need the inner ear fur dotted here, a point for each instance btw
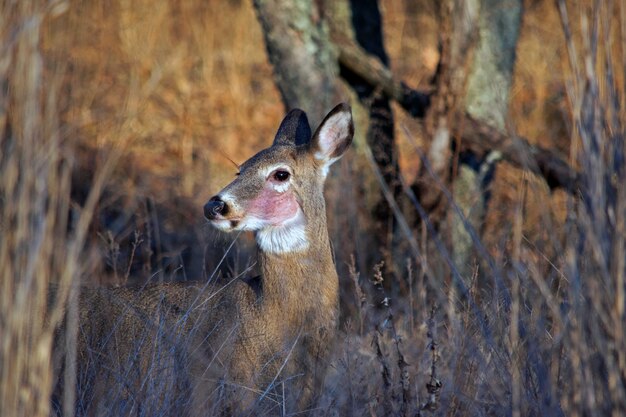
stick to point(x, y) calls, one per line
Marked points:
point(334, 134)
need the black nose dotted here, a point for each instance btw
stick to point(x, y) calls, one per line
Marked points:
point(214, 207)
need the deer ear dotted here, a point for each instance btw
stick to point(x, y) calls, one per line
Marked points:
point(333, 136)
point(294, 129)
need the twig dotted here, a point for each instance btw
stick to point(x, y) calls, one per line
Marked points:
point(386, 373)
point(136, 242)
point(405, 382)
point(434, 384)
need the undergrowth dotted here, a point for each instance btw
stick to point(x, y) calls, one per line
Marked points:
point(538, 329)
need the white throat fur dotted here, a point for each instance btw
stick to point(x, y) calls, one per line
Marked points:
point(287, 238)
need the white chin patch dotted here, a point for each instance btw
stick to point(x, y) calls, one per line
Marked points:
point(223, 225)
point(251, 223)
point(286, 238)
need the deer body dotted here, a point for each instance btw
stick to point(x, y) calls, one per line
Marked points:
point(279, 195)
point(252, 334)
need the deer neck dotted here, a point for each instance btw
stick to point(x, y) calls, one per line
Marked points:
point(304, 282)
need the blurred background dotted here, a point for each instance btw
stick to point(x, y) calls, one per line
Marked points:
point(487, 177)
point(187, 88)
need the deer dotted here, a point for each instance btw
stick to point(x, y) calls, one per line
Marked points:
point(241, 344)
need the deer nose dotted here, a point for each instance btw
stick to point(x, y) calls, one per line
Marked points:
point(214, 207)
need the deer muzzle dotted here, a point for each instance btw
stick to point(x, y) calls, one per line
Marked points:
point(215, 208)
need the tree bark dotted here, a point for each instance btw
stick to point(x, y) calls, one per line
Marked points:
point(299, 49)
point(356, 27)
point(486, 100)
point(367, 24)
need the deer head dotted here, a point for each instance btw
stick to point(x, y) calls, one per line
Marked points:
point(278, 193)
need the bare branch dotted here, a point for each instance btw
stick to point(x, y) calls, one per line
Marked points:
point(476, 136)
point(375, 73)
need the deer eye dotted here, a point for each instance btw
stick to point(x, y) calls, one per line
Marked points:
point(281, 175)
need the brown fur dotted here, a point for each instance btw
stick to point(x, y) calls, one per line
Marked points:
point(220, 347)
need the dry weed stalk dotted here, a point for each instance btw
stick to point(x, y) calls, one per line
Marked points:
point(360, 294)
point(38, 246)
point(434, 385)
point(388, 322)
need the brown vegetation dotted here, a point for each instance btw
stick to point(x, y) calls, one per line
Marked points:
point(155, 97)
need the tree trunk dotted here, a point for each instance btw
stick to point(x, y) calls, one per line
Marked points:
point(306, 72)
point(299, 48)
point(356, 27)
point(486, 100)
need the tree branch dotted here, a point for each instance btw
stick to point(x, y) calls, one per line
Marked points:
point(376, 74)
point(481, 138)
point(476, 136)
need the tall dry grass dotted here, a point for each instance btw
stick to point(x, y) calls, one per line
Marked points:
point(34, 206)
point(538, 329)
point(42, 233)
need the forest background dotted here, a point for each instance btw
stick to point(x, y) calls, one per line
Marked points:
point(478, 223)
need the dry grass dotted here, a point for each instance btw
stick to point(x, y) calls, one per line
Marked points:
point(166, 87)
point(43, 237)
